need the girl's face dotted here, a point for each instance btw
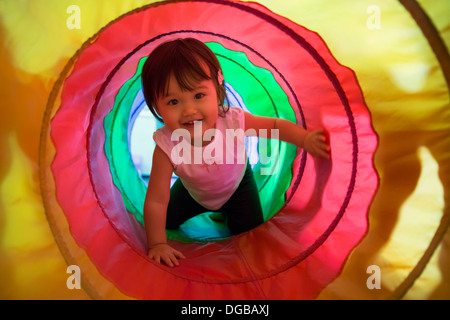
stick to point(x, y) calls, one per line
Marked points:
point(182, 109)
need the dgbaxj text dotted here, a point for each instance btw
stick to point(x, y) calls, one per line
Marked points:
point(239, 309)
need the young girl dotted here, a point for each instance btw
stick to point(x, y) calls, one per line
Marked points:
point(183, 87)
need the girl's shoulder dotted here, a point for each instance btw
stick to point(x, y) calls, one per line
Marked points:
point(163, 131)
point(234, 112)
point(162, 137)
point(234, 118)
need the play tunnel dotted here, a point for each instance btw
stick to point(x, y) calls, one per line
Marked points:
point(310, 205)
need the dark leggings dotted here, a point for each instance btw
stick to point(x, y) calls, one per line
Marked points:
point(243, 210)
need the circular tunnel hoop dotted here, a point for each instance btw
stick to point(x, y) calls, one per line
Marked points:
point(302, 42)
point(256, 280)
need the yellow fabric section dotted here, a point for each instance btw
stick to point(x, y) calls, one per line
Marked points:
point(403, 85)
point(31, 265)
point(37, 40)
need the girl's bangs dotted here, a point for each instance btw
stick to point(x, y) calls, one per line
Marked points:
point(189, 72)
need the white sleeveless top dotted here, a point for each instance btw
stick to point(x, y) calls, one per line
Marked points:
point(211, 174)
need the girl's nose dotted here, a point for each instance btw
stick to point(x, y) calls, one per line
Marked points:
point(189, 109)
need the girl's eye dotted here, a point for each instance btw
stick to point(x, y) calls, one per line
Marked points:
point(172, 102)
point(199, 95)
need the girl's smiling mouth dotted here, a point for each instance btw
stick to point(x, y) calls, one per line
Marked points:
point(192, 122)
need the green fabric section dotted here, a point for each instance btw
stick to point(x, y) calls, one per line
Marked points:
point(261, 95)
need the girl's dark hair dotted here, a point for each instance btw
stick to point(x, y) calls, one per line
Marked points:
point(186, 59)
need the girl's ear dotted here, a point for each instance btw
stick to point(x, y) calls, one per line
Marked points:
point(220, 77)
point(221, 94)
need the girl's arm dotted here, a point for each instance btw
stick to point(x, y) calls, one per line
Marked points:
point(314, 142)
point(155, 210)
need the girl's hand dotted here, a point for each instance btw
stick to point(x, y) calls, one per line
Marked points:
point(316, 144)
point(164, 252)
